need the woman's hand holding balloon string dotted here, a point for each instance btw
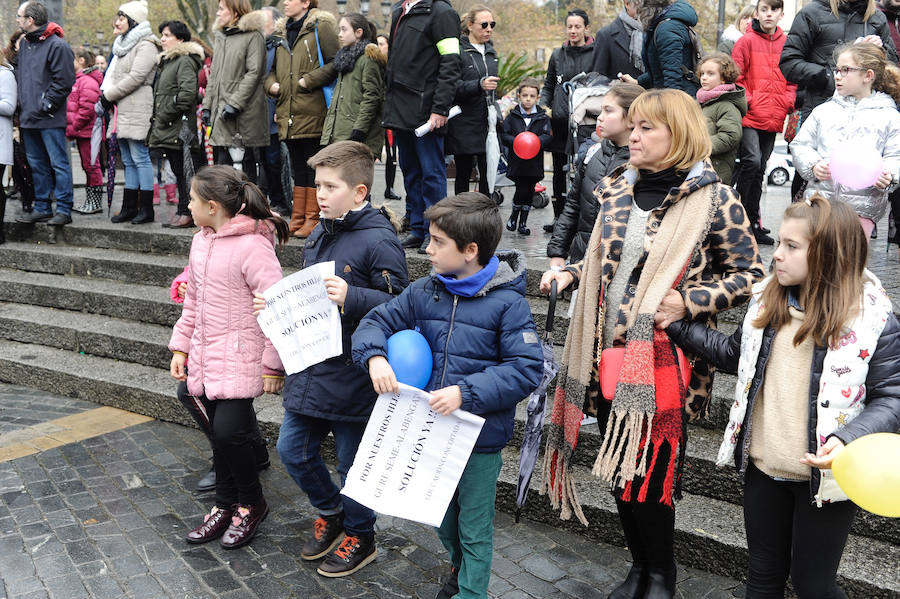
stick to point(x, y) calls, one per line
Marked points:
point(825, 455)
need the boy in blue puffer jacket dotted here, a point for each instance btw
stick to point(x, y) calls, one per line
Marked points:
point(487, 358)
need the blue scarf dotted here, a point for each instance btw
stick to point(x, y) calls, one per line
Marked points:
point(471, 285)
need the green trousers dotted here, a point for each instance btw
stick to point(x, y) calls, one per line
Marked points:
point(467, 531)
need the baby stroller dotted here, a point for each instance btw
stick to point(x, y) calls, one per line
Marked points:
point(586, 92)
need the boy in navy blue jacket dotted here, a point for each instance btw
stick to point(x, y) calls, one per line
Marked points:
point(335, 396)
point(487, 358)
point(525, 172)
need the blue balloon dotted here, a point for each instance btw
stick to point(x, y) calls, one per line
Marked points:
point(409, 355)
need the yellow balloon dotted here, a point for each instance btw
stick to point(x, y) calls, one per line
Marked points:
point(867, 471)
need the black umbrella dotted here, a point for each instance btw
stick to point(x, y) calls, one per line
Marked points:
point(534, 421)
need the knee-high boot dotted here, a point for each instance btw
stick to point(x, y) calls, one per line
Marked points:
point(656, 526)
point(312, 214)
point(298, 212)
point(636, 581)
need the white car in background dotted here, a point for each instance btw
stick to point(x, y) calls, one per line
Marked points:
point(780, 168)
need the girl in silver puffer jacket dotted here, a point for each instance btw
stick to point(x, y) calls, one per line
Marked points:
point(862, 110)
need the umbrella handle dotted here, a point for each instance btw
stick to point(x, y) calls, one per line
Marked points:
point(551, 309)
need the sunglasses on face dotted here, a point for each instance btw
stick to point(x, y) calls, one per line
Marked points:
point(487, 24)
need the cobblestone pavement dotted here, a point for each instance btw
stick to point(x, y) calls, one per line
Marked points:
point(105, 517)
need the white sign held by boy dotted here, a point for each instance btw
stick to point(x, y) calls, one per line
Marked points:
point(302, 323)
point(410, 459)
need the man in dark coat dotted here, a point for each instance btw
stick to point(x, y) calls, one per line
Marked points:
point(422, 71)
point(618, 46)
point(47, 73)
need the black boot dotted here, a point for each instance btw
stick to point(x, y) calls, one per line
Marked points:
point(523, 221)
point(636, 581)
point(549, 228)
point(129, 206)
point(513, 221)
point(145, 203)
point(661, 583)
point(761, 238)
point(656, 526)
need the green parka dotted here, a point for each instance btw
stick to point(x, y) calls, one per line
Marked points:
point(235, 78)
point(175, 94)
point(723, 121)
point(358, 102)
point(300, 112)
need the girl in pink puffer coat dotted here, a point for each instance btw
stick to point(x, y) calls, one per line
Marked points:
point(80, 117)
point(231, 361)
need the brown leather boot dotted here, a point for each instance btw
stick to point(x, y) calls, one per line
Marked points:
point(312, 214)
point(298, 213)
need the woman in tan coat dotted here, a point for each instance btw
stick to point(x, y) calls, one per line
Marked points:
point(128, 85)
point(296, 80)
point(235, 105)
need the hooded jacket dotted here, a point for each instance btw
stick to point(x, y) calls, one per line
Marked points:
point(869, 360)
point(423, 64)
point(467, 132)
point(487, 344)
point(236, 77)
point(668, 50)
point(565, 62)
point(574, 225)
point(46, 73)
point(8, 93)
point(769, 95)
point(367, 254)
point(358, 102)
point(300, 112)
point(80, 114)
point(513, 124)
point(723, 121)
point(175, 94)
point(129, 83)
point(808, 54)
point(227, 351)
point(874, 120)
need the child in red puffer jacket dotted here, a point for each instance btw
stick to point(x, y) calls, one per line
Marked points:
point(80, 118)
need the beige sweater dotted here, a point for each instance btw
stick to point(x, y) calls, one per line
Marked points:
point(780, 420)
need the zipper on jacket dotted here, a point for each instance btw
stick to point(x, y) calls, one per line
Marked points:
point(387, 279)
point(447, 343)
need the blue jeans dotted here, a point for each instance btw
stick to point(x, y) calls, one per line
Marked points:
point(299, 447)
point(46, 151)
point(138, 168)
point(424, 175)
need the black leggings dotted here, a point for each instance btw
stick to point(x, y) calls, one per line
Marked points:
point(788, 534)
point(232, 427)
point(464, 165)
point(524, 195)
point(176, 161)
point(302, 150)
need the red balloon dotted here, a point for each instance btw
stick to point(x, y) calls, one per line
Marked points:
point(526, 145)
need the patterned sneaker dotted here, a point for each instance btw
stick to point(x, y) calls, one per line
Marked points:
point(327, 531)
point(352, 554)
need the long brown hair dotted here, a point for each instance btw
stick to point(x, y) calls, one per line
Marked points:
point(836, 257)
point(870, 8)
point(236, 194)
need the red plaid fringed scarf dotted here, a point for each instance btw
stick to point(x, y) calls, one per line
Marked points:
point(648, 402)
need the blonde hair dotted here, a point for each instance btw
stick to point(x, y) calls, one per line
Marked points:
point(681, 115)
point(469, 17)
point(745, 13)
point(870, 8)
point(836, 258)
point(870, 57)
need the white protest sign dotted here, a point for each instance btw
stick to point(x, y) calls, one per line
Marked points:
point(410, 459)
point(303, 324)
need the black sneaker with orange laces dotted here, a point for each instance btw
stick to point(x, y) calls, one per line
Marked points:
point(351, 555)
point(327, 532)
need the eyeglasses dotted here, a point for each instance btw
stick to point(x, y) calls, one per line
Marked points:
point(487, 24)
point(844, 71)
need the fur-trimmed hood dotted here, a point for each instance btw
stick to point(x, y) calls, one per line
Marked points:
point(313, 15)
point(375, 53)
point(252, 21)
point(182, 49)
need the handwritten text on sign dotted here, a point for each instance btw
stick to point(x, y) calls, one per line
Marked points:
point(303, 324)
point(410, 459)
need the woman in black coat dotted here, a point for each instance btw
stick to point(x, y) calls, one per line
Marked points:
point(475, 90)
point(575, 56)
point(618, 46)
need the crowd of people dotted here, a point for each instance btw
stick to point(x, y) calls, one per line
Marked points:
point(658, 225)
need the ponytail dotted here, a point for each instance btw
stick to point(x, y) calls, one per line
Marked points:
point(237, 195)
point(890, 83)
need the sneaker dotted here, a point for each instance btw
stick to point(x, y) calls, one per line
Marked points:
point(60, 219)
point(351, 555)
point(762, 238)
point(327, 531)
